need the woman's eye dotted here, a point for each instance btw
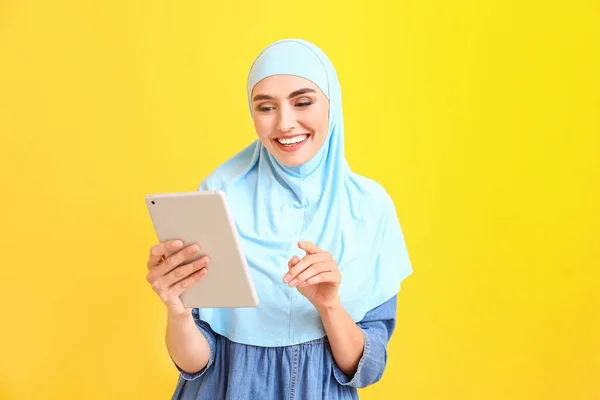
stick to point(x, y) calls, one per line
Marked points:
point(305, 103)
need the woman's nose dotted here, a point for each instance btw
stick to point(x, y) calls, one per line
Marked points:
point(285, 121)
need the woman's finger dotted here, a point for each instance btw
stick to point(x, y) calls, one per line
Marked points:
point(174, 260)
point(183, 271)
point(182, 285)
point(157, 272)
point(159, 250)
point(293, 261)
point(309, 247)
point(323, 277)
point(304, 263)
point(313, 270)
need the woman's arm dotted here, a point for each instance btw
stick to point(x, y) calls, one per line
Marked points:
point(187, 346)
point(376, 329)
point(359, 349)
point(318, 278)
point(169, 276)
point(345, 337)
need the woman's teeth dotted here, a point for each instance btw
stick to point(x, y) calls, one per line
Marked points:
point(293, 140)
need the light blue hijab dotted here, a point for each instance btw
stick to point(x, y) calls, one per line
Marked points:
point(321, 201)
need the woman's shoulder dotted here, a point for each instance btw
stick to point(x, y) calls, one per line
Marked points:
point(231, 170)
point(368, 190)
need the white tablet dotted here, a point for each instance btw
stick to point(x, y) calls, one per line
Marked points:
point(203, 217)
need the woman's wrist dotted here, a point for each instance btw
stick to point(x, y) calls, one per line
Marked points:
point(178, 315)
point(331, 306)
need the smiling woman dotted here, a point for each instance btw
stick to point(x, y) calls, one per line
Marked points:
point(314, 335)
point(290, 116)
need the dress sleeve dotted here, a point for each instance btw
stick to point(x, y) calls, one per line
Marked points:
point(210, 336)
point(377, 327)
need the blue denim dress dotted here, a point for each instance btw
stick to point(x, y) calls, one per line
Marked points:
point(306, 371)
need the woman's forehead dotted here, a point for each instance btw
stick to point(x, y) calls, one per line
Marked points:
point(283, 85)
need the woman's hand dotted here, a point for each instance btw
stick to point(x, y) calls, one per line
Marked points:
point(171, 276)
point(316, 276)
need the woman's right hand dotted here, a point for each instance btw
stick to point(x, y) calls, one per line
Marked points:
point(171, 276)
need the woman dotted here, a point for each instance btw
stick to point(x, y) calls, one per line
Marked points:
point(305, 221)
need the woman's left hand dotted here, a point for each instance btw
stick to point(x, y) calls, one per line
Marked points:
point(316, 276)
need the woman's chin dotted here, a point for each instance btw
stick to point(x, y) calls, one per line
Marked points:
point(291, 160)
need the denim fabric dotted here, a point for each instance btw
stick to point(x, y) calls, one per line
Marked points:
point(300, 372)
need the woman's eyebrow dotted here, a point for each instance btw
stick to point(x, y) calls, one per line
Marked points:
point(299, 92)
point(291, 95)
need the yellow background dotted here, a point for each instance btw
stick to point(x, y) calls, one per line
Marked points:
point(481, 118)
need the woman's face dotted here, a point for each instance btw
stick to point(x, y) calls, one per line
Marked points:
point(291, 117)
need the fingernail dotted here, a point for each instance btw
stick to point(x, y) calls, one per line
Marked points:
point(293, 282)
point(287, 278)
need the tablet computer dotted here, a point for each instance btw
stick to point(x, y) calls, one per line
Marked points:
point(203, 217)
